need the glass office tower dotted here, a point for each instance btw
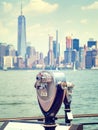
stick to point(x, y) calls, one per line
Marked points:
point(22, 35)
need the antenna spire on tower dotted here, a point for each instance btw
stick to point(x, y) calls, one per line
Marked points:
point(21, 7)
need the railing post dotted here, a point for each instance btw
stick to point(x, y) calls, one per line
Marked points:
point(67, 103)
point(67, 110)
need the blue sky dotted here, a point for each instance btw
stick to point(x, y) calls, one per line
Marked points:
point(78, 18)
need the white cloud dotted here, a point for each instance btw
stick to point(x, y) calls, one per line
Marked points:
point(3, 30)
point(93, 6)
point(42, 31)
point(84, 21)
point(40, 6)
point(7, 35)
point(37, 34)
point(68, 21)
point(7, 6)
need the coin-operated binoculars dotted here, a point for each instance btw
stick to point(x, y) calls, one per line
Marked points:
point(51, 92)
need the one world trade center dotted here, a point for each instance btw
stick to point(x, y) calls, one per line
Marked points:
point(22, 35)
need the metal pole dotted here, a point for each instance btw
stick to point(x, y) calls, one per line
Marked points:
point(50, 127)
point(50, 123)
point(67, 103)
point(67, 109)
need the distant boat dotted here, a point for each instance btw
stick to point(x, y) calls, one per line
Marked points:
point(74, 67)
point(94, 68)
point(5, 68)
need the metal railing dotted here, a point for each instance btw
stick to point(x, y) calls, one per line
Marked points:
point(41, 118)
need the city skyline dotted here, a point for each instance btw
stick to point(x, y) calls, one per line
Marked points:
point(76, 18)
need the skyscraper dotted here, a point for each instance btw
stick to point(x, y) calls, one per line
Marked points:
point(50, 53)
point(54, 49)
point(57, 46)
point(21, 35)
point(68, 43)
point(75, 44)
point(91, 43)
point(68, 51)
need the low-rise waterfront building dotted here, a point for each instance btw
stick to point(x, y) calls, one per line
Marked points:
point(8, 61)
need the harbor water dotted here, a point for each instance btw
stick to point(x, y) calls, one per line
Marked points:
point(18, 95)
